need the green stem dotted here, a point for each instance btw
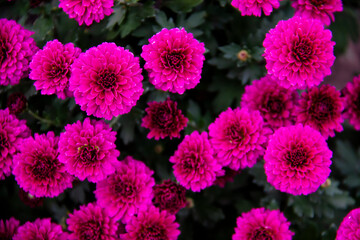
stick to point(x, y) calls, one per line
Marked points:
point(114, 120)
point(41, 119)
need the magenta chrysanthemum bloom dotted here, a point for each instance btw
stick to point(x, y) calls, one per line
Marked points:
point(87, 11)
point(261, 223)
point(51, 68)
point(350, 226)
point(228, 177)
point(152, 224)
point(12, 132)
point(29, 199)
point(174, 60)
point(195, 167)
point(299, 52)
point(88, 150)
point(275, 103)
point(321, 108)
point(106, 81)
point(255, 7)
point(126, 191)
point(16, 103)
point(16, 50)
point(297, 160)
point(169, 196)
point(164, 119)
point(40, 229)
point(351, 94)
point(37, 169)
point(91, 222)
point(322, 10)
point(8, 228)
point(238, 137)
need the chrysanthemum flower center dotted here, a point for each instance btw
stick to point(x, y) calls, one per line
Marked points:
point(163, 118)
point(235, 133)
point(3, 51)
point(59, 70)
point(45, 166)
point(192, 161)
point(318, 3)
point(321, 108)
point(152, 232)
point(90, 230)
point(274, 105)
point(125, 189)
point(261, 234)
point(302, 50)
point(3, 140)
point(88, 153)
point(107, 79)
point(173, 59)
point(296, 157)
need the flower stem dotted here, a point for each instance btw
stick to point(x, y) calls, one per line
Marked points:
point(114, 120)
point(41, 119)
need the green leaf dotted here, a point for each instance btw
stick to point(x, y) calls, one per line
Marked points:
point(195, 20)
point(117, 17)
point(163, 21)
point(230, 51)
point(182, 5)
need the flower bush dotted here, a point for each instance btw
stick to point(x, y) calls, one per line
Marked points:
point(178, 119)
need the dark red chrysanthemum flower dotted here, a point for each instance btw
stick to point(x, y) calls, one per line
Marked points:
point(351, 94)
point(8, 228)
point(275, 103)
point(228, 177)
point(37, 169)
point(12, 132)
point(16, 103)
point(152, 224)
point(349, 228)
point(262, 224)
point(169, 196)
point(322, 10)
point(299, 52)
point(16, 51)
point(40, 229)
point(297, 160)
point(321, 108)
point(164, 119)
point(91, 222)
point(29, 199)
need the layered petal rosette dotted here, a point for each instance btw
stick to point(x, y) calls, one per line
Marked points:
point(37, 169)
point(297, 160)
point(275, 103)
point(349, 227)
point(174, 60)
point(16, 103)
point(255, 7)
point(261, 223)
point(351, 93)
point(238, 137)
point(16, 51)
point(8, 228)
point(91, 222)
point(152, 224)
point(169, 196)
point(88, 150)
point(299, 52)
point(321, 108)
point(195, 167)
point(87, 11)
point(127, 191)
point(50, 68)
point(12, 132)
point(164, 119)
point(106, 80)
point(40, 229)
point(322, 10)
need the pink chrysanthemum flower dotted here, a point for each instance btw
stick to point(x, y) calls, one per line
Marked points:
point(349, 227)
point(299, 52)
point(351, 94)
point(8, 228)
point(91, 222)
point(228, 177)
point(195, 167)
point(261, 223)
point(152, 224)
point(51, 68)
point(16, 103)
point(12, 132)
point(106, 81)
point(29, 199)
point(255, 7)
point(321, 108)
point(126, 191)
point(88, 150)
point(40, 229)
point(238, 137)
point(16, 50)
point(297, 160)
point(169, 196)
point(275, 103)
point(37, 169)
point(164, 119)
point(87, 11)
point(174, 60)
point(322, 10)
